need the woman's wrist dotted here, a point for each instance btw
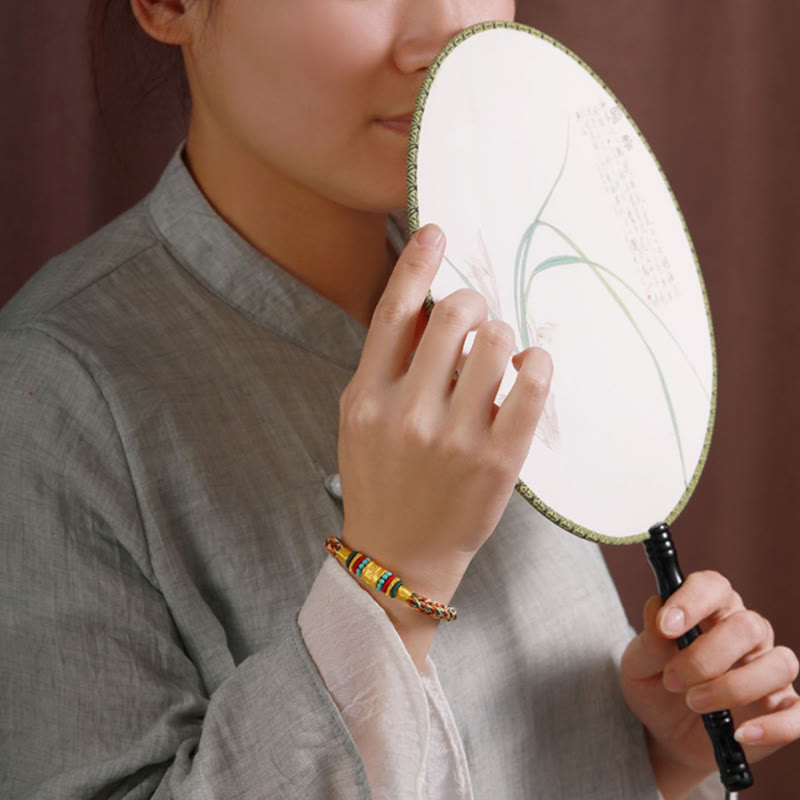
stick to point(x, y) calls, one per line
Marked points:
point(424, 571)
point(420, 574)
point(674, 780)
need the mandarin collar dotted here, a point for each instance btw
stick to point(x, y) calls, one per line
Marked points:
point(205, 245)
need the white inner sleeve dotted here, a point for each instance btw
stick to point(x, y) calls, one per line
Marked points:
point(398, 717)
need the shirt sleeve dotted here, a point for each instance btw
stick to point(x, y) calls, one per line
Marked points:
point(100, 696)
point(399, 717)
point(710, 789)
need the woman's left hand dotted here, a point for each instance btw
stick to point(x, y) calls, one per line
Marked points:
point(734, 664)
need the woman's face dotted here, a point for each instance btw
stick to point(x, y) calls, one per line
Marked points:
point(299, 85)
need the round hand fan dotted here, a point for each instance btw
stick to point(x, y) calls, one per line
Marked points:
point(556, 211)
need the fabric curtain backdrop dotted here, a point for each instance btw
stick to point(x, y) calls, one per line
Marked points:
point(713, 87)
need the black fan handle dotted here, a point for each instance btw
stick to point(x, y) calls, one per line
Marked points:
point(734, 771)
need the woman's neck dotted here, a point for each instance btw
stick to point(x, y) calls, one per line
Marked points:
point(340, 252)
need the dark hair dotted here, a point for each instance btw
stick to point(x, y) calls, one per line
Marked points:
point(122, 52)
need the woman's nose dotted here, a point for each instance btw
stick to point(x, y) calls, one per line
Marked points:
point(432, 23)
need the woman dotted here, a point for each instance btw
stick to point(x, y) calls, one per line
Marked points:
point(178, 388)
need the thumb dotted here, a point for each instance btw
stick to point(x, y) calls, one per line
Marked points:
point(647, 654)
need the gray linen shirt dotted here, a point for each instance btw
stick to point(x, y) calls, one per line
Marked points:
point(169, 407)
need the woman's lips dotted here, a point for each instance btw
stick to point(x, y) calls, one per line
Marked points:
point(400, 125)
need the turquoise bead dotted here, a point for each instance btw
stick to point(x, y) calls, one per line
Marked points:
point(362, 565)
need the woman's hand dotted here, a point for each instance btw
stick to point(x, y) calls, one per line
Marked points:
point(735, 662)
point(427, 463)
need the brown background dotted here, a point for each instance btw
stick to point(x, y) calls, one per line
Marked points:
point(713, 87)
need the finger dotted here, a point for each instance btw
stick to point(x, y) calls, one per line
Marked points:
point(482, 374)
point(647, 654)
point(702, 595)
point(719, 649)
point(775, 730)
point(771, 672)
point(442, 343)
point(778, 701)
point(516, 421)
point(516, 361)
point(390, 337)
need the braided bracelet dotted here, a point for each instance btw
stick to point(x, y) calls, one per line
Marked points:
point(384, 581)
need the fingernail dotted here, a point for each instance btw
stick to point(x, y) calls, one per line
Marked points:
point(749, 734)
point(699, 699)
point(430, 236)
point(673, 621)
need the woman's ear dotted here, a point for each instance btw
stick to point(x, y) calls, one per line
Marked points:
point(167, 21)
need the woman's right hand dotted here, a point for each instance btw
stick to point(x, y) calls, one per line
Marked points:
point(427, 464)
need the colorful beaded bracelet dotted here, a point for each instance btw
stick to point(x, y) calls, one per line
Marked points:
point(384, 581)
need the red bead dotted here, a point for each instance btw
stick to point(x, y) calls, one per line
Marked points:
point(386, 584)
point(354, 565)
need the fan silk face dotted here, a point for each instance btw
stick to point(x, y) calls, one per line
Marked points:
point(556, 210)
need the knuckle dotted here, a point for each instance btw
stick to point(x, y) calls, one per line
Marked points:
point(534, 383)
point(362, 414)
point(722, 582)
point(456, 446)
point(709, 584)
point(497, 468)
point(461, 308)
point(791, 732)
point(415, 429)
point(470, 298)
point(391, 311)
point(791, 663)
point(451, 313)
point(498, 334)
point(736, 601)
point(545, 361)
point(710, 576)
point(477, 301)
point(698, 665)
point(777, 701)
point(495, 463)
point(417, 261)
point(768, 630)
point(751, 623)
